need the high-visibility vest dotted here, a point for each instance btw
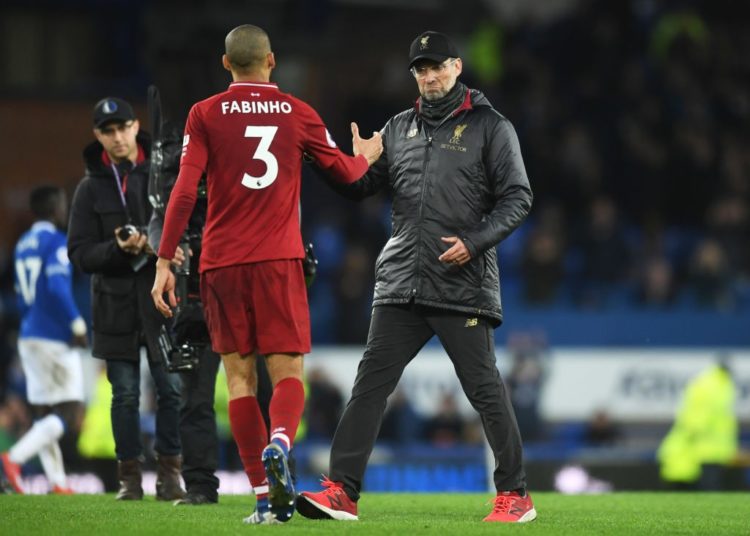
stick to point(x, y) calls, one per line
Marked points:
point(96, 439)
point(705, 430)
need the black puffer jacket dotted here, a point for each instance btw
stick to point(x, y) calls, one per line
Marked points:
point(123, 313)
point(464, 178)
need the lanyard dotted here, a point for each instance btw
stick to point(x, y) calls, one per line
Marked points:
point(119, 190)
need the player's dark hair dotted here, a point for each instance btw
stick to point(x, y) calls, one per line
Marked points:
point(246, 47)
point(44, 200)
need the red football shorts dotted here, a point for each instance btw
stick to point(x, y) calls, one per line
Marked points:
point(259, 307)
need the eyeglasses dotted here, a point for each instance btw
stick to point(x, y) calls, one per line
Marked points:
point(119, 127)
point(437, 69)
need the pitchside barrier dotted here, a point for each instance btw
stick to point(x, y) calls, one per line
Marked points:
point(633, 384)
point(639, 388)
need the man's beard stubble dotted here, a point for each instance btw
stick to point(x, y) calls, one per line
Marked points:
point(435, 94)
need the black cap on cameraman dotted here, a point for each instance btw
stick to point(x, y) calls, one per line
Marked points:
point(112, 110)
point(433, 46)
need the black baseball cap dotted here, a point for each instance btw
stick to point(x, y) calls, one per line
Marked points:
point(112, 110)
point(433, 46)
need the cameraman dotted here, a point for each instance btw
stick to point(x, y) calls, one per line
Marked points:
point(107, 239)
point(198, 365)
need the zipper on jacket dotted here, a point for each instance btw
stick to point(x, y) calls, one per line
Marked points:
point(427, 152)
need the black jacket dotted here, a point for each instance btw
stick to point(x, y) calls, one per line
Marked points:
point(123, 313)
point(463, 178)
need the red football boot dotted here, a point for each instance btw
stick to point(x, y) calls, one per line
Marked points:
point(59, 490)
point(510, 507)
point(12, 472)
point(331, 503)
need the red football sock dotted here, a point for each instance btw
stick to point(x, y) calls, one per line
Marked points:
point(287, 405)
point(251, 435)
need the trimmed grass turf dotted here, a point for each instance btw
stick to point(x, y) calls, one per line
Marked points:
point(380, 513)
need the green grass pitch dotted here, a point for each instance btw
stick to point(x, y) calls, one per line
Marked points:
point(380, 513)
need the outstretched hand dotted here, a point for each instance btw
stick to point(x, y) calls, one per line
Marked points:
point(370, 148)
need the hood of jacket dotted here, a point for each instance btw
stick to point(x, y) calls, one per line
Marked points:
point(473, 98)
point(92, 154)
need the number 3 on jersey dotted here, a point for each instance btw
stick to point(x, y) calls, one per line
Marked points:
point(262, 153)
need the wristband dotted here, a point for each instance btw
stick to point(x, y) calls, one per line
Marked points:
point(78, 327)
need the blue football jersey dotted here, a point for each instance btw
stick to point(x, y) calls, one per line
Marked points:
point(44, 284)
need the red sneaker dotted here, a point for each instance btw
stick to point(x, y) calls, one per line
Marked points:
point(11, 472)
point(331, 503)
point(59, 490)
point(510, 507)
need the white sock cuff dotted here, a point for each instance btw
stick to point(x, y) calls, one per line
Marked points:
point(260, 490)
point(284, 438)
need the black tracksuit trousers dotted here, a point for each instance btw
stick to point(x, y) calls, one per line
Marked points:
point(200, 442)
point(397, 333)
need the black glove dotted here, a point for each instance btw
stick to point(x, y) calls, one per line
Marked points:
point(309, 265)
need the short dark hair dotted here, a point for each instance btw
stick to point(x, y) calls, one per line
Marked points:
point(44, 200)
point(246, 47)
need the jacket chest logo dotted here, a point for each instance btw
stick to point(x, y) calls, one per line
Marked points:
point(454, 144)
point(457, 133)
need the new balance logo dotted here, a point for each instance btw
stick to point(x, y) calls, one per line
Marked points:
point(336, 501)
point(471, 322)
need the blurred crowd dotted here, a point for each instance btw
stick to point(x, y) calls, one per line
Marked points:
point(631, 118)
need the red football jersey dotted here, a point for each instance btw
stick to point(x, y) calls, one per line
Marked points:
point(249, 140)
